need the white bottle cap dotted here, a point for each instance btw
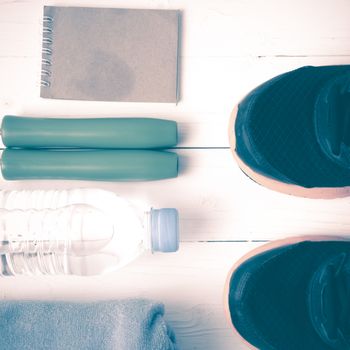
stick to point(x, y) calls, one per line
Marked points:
point(164, 230)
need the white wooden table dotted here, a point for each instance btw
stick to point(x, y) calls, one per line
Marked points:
point(227, 48)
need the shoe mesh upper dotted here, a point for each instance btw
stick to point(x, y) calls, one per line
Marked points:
point(268, 296)
point(276, 134)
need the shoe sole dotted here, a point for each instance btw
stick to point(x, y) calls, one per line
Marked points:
point(295, 190)
point(263, 248)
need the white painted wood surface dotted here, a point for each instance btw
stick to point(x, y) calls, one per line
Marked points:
point(190, 284)
point(227, 48)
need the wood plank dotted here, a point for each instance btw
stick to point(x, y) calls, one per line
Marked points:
point(228, 48)
point(273, 27)
point(211, 87)
point(190, 283)
point(216, 201)
point(230, 28)
point(215, 73)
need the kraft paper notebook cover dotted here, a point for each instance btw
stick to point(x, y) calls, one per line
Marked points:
point(109, 54)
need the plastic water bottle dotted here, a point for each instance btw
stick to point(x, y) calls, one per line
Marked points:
point(78, 232)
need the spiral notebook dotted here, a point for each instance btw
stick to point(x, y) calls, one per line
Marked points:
point(109, 54)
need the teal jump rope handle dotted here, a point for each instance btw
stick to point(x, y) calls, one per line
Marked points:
point(29, 132)
point(99, 165)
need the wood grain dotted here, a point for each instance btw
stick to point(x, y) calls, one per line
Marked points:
point(227, 48)
point(217, 202)
point(190, 283)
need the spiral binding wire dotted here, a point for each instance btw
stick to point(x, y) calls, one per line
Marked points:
point(46, 51)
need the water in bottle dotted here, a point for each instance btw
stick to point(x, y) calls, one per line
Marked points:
point(78, 232)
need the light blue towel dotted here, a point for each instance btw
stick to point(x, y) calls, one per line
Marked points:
point(109, 325)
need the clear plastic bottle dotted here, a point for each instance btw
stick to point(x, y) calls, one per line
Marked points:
point(78, 232)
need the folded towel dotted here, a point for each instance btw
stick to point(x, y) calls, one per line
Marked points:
point(107, 325)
